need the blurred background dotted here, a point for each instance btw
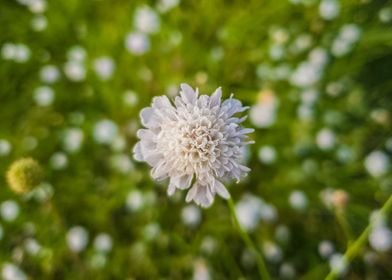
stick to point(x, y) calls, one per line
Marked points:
point(74, 76)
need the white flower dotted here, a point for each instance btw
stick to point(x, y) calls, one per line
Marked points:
point(377, 163)
point(77, 238)
point(9, 210)
point(5, 147)
point(32, 246)
point(135, 200)
point(103, 243)
point(59, 161)
point(104, 67)
point(43, 96)
point(191, 215)
point(72, 139)
point(338, 264)
point(49, 74)
point(326, 248)
point(137, 43)
point(298, 200)
point(105, 131)
point(325, 139)
point(248, 211)
point(39, 23)
point(146, 20)
point(199, 138)
point(380, 238)
point(329, 9)
point(75, 71)
point(267, 154)
point(10, 271)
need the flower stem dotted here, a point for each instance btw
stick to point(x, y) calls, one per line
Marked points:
point(356, 246)
point(249, 243)
point(342, 221)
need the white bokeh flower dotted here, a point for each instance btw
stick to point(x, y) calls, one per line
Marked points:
point(104, 67)
point(338, 264)
point(103, 242)
point(5, 147)
point(377, 163)
point(77, 238)
point(191, 215)
point(146, 20)
point(44, 96)
point(298, 200)
point(9, 210)
point(198, 138)
point(380, 238)
point(137, 43)
point(10, 271)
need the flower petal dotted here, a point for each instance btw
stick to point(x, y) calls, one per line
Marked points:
point(159, 172)
point(188, 94)
point(137, 152)
point(201, 195)
point(171, 190)
point(148, 117)
point(191, 193)
point(221, 190)
point(215, 98)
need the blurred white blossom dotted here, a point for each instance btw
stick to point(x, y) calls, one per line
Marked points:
point(287, 271)
point(49, 74)
point(200, 270)
point(75, 70)
point(191, 215)
point(5, 147)
point(72, 139)
point(137, 43)
point(298, 200)
point(146, 20)
point(380, 238)
point(59, 161)
point(263, 113)
point(77, 238)
point(348, 35)
point(19, 53)
point(44, 96)
point(10, 271)
point(326, 249)
point(267, 154)
point(325, 139)
point(248, 210)
point(39, 23)
point(329, 9)
point(130, 98)
point(103, 243)
point(9, 210)
point(338, 264)
point(105, 131)
point(104, 67)
point(135, 200)
point(377, 163)
point(166, 5)
point(32, 246)
point(272, 252)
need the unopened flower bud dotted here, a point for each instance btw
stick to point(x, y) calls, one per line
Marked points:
point(24, 174)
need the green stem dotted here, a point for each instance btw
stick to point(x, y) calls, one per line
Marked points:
point(342, 221)
point(249, 243)
point(356, 246)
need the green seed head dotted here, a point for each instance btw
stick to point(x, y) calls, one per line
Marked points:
point(24, 174)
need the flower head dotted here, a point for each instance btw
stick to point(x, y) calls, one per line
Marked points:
point(24, 174)
point(197, 142)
